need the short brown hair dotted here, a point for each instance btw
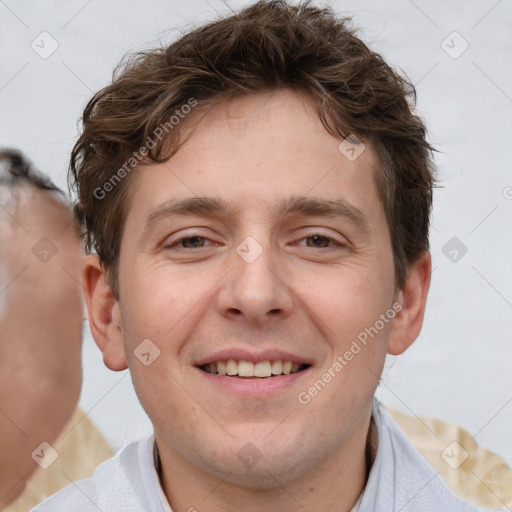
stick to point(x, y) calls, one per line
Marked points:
point(267, 46)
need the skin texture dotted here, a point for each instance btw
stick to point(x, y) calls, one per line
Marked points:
point(302, 295)
point(40, 330)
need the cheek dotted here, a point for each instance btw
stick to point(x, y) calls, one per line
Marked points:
point(345, 301)
point(159, 298)
point(165, 400)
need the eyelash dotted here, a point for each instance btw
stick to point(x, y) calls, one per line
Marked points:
point(329, 238)
point(306, 236)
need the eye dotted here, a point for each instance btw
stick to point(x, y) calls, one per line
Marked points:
point(320, 241)
point(189, 242)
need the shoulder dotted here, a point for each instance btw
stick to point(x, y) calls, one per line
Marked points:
point(117, 485)
point(80, 451)
point(406, 478)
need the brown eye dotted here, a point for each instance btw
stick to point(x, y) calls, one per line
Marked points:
point(192, 242)
point(189, 242)
point(318, 241)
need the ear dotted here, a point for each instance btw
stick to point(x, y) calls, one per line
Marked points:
point(104, 318)
point(412, 297)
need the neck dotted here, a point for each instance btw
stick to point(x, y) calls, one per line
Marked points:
point(333, 484)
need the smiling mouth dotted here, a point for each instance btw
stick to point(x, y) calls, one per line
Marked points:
point(249, 370)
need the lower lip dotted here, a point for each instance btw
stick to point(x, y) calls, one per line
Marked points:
point(255, 387)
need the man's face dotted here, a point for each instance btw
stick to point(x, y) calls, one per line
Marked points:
point(270, 278)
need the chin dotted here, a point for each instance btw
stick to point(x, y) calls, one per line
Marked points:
point(262, 465)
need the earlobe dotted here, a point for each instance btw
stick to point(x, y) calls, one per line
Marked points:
point(104, 318)
point(412, 298)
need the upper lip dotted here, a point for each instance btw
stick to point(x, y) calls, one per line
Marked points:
point(240, 354)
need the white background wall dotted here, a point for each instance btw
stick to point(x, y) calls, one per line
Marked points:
point(460, 369)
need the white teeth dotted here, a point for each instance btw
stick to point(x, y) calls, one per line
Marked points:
point(221, 368)
point(245, 369)
point(277, 368)
point(249, 369)
point(262, 369)
point(287, 367)
point(232, 367)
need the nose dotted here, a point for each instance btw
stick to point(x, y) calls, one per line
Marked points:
point(255, 291)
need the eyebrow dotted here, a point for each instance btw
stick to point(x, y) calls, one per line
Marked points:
point(319, 207)
point(212, 206)
point(216, 206)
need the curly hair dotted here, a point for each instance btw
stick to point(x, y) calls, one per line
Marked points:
point(267, 46)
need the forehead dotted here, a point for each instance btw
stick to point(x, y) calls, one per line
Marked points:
point(257, 150)
point(276, 116)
